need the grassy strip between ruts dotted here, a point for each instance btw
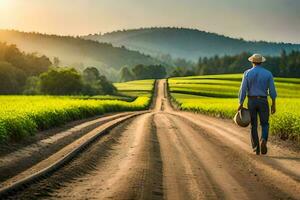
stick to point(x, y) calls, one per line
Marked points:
point(211, 95)
point(21, 116)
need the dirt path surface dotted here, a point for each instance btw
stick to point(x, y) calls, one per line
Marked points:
point(169, 154)
point(15, 158)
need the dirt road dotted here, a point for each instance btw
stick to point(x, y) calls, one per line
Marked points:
point(169, 154)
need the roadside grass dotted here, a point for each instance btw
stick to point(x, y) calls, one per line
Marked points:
point(216, 95)
point(22, 116)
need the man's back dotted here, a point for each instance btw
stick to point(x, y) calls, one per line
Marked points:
point(259, 81)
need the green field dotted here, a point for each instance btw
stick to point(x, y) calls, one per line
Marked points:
point(136, 88)
point(21, 116)
point(216, 95)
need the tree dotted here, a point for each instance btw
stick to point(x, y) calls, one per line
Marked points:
point(285, 65)
point(17, 66)
point(180, 71)
point(149, 72)
point(126, 75)
point(12, 79)
point(91, 80)
point(56, 61)
point(95, 84)
point(139, 72)
point(32, 86)
point(61, 81)
point(91, 74)
point(156, 71)
point(107, 86)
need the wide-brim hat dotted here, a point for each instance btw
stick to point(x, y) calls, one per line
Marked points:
point(242, 117)
point(257, 58)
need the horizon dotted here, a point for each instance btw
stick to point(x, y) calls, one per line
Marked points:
point(140, 28)
point(279, 19)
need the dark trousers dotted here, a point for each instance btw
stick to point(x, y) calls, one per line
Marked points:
point(259, 107)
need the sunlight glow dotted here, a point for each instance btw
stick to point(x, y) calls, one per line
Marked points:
point(4, 3)
point(80, 17)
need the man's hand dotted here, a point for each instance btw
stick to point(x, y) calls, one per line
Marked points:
point(240, 107)
point(273, 106)
point(273, 109)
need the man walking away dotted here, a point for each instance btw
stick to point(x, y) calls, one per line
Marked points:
point(257, 83)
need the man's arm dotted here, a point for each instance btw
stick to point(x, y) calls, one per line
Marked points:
point(243, 91)
point(273, 94)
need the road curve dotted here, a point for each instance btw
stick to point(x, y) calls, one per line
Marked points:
point(169, 154)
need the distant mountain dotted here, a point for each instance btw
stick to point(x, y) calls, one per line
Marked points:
point(187, 43)
point(77, 52)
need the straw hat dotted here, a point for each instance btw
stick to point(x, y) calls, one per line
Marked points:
point(242, 117)
point(257, 58)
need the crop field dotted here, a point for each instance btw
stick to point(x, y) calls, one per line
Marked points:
point(136, 88)
point(21, 116)
point(107, 97)
point(216, 95)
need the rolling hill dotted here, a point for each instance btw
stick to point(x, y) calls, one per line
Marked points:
point(187, 43)
point(77, 52)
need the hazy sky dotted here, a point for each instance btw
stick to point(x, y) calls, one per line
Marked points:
point(272, 20)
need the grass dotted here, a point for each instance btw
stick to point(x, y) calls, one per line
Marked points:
point(108, 97)
point(216, 95)
point(139, 85)
point(22, 116)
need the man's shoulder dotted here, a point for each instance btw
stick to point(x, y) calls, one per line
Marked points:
point(267, 72)
point(247, 71)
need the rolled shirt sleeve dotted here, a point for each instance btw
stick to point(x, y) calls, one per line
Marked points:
point(272, 90)
point(243, 89)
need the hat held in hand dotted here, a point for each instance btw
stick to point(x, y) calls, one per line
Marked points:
point(242, 117)
point(257, 58)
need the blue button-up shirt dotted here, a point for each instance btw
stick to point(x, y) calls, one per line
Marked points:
point(257, 81)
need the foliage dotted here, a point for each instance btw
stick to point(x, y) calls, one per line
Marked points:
point(140, 72)
point(31, 64)
point(16, 67)
point(217, 95)
point(12, 79)
point(76, 51)
point(182, 71)
point(61, 81)
point(126, 74)
point(107, 87)
point(32, 86)
point(91, 80)
point(95, 84)
point(285, 65)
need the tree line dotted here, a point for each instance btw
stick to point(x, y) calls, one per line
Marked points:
point(139, 72)
point(22, 73)
point(77, 51)
point(188, 43)
point(285, 65)
point(68, 81)
point(17, 66)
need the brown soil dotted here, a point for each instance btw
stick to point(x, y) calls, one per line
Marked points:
point(16, 157)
